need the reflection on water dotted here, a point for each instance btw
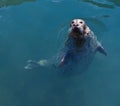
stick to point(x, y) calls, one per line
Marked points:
point(116, 2)
point(99, 4)
point(104, 5)
point(4, 3)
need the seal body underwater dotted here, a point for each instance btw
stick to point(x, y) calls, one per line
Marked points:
point(80, 48)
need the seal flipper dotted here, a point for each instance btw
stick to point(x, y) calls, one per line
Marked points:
point(34, 64)
point(62, 61)
point(31, 65)
point(101, 49)
point(65, 59)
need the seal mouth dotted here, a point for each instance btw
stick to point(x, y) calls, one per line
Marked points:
point(77, 32)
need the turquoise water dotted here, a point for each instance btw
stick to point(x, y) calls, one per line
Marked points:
point(35, 29)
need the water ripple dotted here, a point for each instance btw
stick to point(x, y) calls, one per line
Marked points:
point(6, 3)
point(56, 1)
point(99, 4)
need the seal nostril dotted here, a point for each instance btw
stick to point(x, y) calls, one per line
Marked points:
point(77, 25)
point(73, 24)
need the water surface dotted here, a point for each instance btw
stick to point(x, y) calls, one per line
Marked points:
point(35, 29)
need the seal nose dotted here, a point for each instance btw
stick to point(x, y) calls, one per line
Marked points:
point(75, 25)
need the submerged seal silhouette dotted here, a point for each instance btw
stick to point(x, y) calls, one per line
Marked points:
point(81, 46)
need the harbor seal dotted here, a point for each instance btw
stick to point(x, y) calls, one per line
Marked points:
point(80, 47)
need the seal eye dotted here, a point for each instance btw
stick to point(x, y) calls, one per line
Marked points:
point(81, 22)
point(72, 22)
